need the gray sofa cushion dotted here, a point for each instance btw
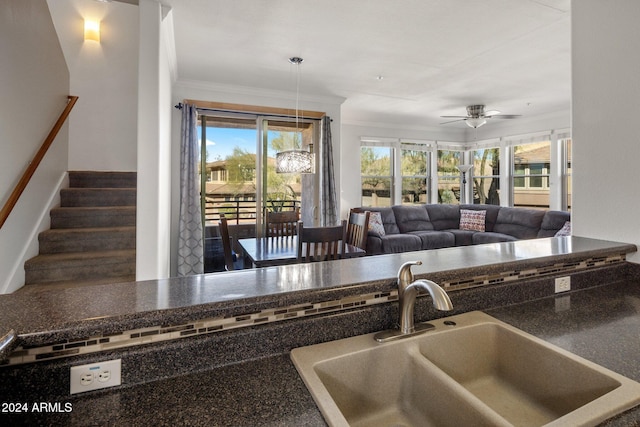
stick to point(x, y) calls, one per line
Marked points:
point(462, 237)
point(552, 222)
point(393, 243)
point(519, 222)
point(491, 237)
point(435, 239)
point(444, 217)
point(412, 218)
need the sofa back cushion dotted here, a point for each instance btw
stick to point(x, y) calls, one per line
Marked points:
point(519, 222)
point(444, 217)
point(412, 218)
point(388, 219)
point(490, 217)
point(552, 222)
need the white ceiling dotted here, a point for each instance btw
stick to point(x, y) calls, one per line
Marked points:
point(435, 56)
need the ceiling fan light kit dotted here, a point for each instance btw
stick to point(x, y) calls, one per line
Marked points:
point(476, 116)
point(475, 122)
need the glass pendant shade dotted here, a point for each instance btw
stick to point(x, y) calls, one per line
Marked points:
point(295, 161)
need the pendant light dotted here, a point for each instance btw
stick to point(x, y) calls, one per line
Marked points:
point(296, 160)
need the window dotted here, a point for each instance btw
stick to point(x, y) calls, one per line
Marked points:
point(414, 167)
point(486, 176)
point(448, 176)
point(531, 164)
point(376, 169)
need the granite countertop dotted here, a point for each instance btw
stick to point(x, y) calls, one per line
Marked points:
point(599, 324)
point(66, 313)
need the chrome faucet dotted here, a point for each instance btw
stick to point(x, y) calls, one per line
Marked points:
point(407, 293)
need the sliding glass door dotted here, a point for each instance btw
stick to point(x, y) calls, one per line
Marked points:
point(287, 191)
point(238, 158)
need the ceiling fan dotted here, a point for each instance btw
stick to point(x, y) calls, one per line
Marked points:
point(476, 116)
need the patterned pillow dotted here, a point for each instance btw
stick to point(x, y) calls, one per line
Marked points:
point(472, 220)
point(375, 224)
point(565, 230)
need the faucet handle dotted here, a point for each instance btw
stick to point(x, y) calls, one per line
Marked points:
point(405, 276)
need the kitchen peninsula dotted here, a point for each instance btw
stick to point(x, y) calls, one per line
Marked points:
point(213, 350)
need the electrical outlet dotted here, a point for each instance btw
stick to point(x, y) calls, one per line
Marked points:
point(563, 284)
point(96, 376)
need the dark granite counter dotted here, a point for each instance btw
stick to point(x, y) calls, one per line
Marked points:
point(600, 324)
point(243, 377)
point(55, 315)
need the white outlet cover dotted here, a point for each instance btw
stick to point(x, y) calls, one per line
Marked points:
point(96, 376)
point(563, 284)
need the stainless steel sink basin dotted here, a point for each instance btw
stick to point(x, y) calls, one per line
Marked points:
point(471, 369)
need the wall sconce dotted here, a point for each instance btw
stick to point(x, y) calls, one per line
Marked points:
point(92, 30)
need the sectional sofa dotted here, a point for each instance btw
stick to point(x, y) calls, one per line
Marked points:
point(404, 228)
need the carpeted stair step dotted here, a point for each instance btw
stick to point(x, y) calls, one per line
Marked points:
point(88, 197)
point(80, 266)
point(87, 239)
point(101, 216)
point(99, 179)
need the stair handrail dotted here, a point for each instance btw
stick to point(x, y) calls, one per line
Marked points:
point(33, 165)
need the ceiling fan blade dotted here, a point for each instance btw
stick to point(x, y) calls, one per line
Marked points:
point(455, 117)
point(504, 116)
point(491, 113)
point(452, 121)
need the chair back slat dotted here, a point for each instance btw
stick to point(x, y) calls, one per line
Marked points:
point(357, 229)
point(321, 243)
point(226, 243)
point(282, 223)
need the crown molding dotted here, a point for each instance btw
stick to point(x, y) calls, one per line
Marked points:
point(257, 92)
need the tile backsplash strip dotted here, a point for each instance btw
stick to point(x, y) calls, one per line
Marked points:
point(24, 354)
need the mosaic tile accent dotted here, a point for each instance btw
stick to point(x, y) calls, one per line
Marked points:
point(26, 354)
point(550, 270)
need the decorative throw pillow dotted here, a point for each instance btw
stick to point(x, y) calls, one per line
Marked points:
point(565, 230)
point(375, 223)
point(472, 220)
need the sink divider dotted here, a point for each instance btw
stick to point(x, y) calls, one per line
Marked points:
point(452, 387)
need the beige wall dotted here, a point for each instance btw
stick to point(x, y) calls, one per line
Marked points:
point(34, 82)
point(103, 129)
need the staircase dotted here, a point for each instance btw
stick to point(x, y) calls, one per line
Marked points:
point(92, 237)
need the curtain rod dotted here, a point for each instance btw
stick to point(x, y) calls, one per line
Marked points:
point(179, 106)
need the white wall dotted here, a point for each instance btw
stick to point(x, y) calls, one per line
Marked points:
point(606, 106)
point(154, 147)
point(103, 126)
point(35, 86)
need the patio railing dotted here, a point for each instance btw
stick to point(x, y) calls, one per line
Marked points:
point(240, 211)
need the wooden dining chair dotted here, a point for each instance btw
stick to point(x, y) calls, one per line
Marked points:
point(357, 229)
point(226, 243)
point(321, 243)
point(282, 223)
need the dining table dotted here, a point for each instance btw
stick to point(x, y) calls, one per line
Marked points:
point(280, 250)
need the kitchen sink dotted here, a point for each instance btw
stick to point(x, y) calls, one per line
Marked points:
point(470, 369)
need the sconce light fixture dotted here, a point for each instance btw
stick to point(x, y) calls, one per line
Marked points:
point(92, 30)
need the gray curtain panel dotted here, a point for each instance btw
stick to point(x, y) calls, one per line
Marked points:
point(190, 238)
point(328, 202)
